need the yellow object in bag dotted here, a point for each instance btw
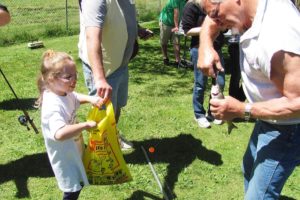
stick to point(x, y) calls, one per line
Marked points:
point(103, 159)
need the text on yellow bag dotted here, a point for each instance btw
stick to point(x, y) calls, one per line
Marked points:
point(103, 159)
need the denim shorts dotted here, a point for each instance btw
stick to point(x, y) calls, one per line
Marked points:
point(118, 80)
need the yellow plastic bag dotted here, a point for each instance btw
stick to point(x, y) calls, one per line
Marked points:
point(103, 159)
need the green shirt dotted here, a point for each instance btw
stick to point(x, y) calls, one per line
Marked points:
point(167, 13)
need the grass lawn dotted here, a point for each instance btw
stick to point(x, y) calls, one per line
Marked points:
point(193, 163)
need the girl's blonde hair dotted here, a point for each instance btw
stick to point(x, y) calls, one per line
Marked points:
point(52, 64)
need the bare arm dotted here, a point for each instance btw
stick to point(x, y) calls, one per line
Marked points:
point(194, 31)
point(176, 20)
point(285, 74)
point(208, 58)
point(94, 40)
point(72, 130)
point(94, 100)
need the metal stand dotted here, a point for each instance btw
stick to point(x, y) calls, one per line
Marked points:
point(184, 62)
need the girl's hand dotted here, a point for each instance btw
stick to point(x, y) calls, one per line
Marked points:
point(97, 101)
point(91, 124)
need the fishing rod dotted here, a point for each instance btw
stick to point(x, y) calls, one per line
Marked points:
point(155, 175)
point(23, 119)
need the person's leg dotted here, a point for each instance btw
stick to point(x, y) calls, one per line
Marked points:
point(250, 155)
point(198, 91)
point(119, 83)
point(176, 47)
point(165, 35)
point(71, 195)
point(164, 50)
point(276, 156)
point(122, 92)
point(88, 78)
point(199, 86)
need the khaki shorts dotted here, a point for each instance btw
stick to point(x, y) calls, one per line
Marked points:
point(166, 34)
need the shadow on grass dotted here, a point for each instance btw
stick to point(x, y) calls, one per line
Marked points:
point(13, 104)
point(179, 152)
point(19, 171)
point(286, 198)
point(149, 60)
point(140, 194)
point(145, 67)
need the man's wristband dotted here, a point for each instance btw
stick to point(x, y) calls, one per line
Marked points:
point(247, 114)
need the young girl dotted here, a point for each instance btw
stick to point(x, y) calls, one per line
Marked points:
point(59, 103)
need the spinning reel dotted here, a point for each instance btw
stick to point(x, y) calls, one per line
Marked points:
point(24, 121)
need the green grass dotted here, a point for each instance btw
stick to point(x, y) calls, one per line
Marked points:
point(195, 163)
point(35, 20)
point(38, 19)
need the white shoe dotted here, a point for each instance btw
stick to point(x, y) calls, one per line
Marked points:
point(203, 122)
point(218, 121)
point(124, 144)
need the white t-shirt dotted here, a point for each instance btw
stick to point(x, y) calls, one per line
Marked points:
point(58, 111)
point(276, 27)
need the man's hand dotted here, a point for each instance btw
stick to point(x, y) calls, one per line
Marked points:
point(209, 61)
point(175, 29)
point(227, 109)
point(104, 90)
point(208, 58)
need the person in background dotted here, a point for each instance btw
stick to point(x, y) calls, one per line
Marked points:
point(107, 41)
point(4, 15)
point(169, 20)
point(235, 86)
point(192, 19)
point(62, 135)
point(270, 60)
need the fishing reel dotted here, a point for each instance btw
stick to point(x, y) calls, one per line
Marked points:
point(24, 121)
